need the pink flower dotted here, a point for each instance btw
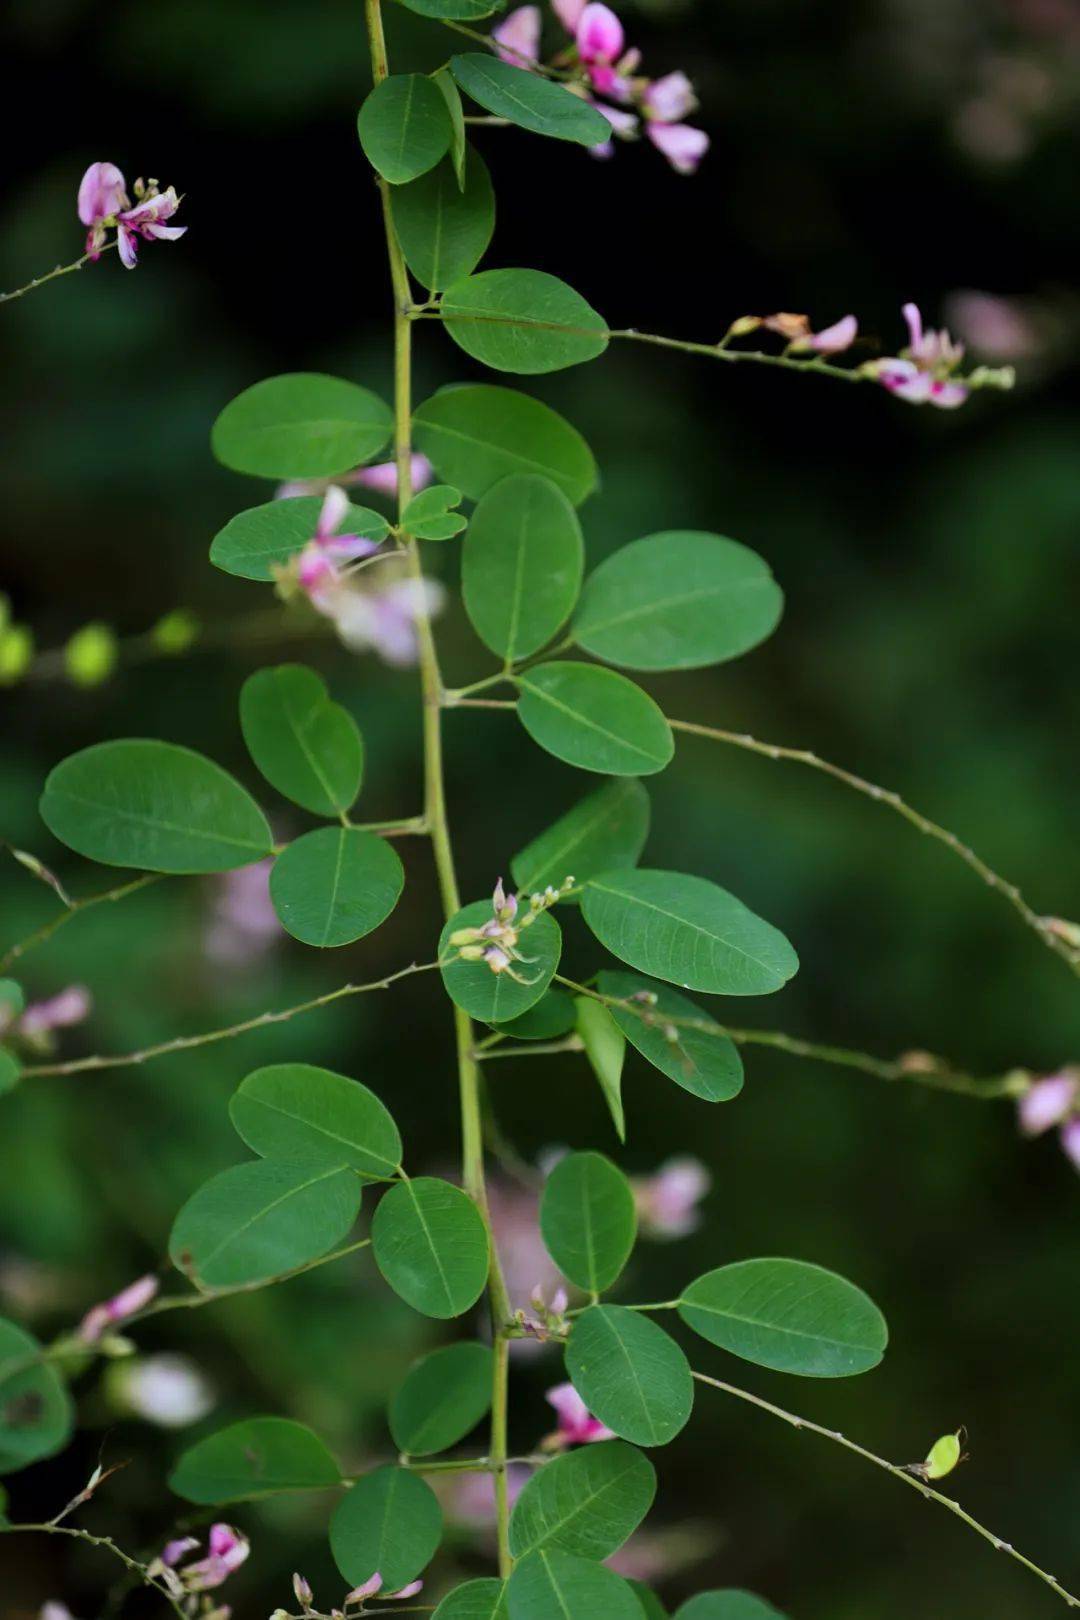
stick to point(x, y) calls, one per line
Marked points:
point(383, 619)
point(227, 1550)
point(929, 349)
point(146, 220)
point(1070, 1140)
point(667, 1202)
point(382, 478)
point(123, 1305)
point(568, 13)
point(577, 1426)
point(518, 36)
point(921, 374)
point(623, 124)
point(600, 39)
point(104, 204)
point(682, 145)
point(71, 1006)
point(373, 1588)
point(243, 924)
point(831, 339)
point(1048, 1102)
point(102, 195)
point(469, 1499)
point(669, 100)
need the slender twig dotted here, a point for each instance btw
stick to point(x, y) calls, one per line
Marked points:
point(898, 1472)
point(131, 1564)
point(1042, 926)
point(183, 1043)
point(920, 1068)
point(47, 930)
point(52, 275)
point(572, 1043)
point(519, 57)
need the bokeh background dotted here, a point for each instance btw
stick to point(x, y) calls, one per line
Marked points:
point(863, 153)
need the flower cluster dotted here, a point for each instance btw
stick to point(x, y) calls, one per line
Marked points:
point(354, 1599)
point(1054, 1101)
point(496, 942)
point(104, 205)
point(667, 1202)
point(226, 1550)
point(37, 1023)
point(607, 69)
point(545, 1320)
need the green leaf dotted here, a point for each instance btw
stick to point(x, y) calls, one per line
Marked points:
point(261, 1219)
point(553, 1015)
point(521, 566)
point(155, 806)
point(476, 1600)
point(688, 931)
point(605, 1048)
point(312, 1116)
point(389, 1523)
point(727, 1605)
point(788, 1315)
point(256, 542)
point(594, 719)
point(306, 746)
point(587, 1502)
point(431, 1245)
point(630, 1374)
point(677, 600)
point(476, 434)
point(443, 79)
point(444, 1396)
point(605, 830)
point(254, 1458)
point(588, 1221)
point(12, 1001)
point(496, 998)
point(707, 1066)
point(456, 10)
point(404, 127)
point(301, 425)
point(651, 1605)
point(36, 1411)
point(528, 100)
point(428, 515)
point(445, 228)
point(10, 1070)
point(333, 886)
point(554, 1585)
point(522, 320)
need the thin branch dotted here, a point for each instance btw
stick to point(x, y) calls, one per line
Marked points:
point(1044, 927)
point(47, 930)
point(131, 1564)
point(898, 1472)
point(52, 275)
point(183, 1043)
point(572, 1043)
point(920, 1068)
point(519, 57)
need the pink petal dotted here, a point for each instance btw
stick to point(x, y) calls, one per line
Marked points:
point(905, 380)
point(332, 514)
point(947, 395)
point(173, 1551)
point(101, 193)
point(350, 547)
point(165, 233)
point(913, 318)
point(518, 35)
point(670, 99)
point(407, 1591)
point(152, 209)
point(682, 145)
point(383, 475)
point(1047, 1103)
point(568, 13)
point(1070, 1140)
point(128, 243)
point(314, 570)
point(625, 124)
point(599, 34)
point(369, 1589)
point(228, 1546)
point(836, 338)
point(71, 1006)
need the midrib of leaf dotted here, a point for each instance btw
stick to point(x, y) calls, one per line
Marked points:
point(431, 1243)
point(144, 820)
point(321, 1130)
point(649, 905)
point(553, 1526)
point(299, 728)
point(585, 830)
point(632, 1370)
point(334, 885)
point(661, 604)
point(592, 725)
point(267, 1209)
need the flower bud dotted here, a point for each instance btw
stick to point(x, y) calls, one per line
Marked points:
point(303, 1591)
point(90, 655)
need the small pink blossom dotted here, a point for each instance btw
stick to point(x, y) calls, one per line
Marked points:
point(227, 1550)
point(599, 35)
point(243, 923)
point(104, 204)
point(682, 145)
point(921, 373)
point(102, 194)
point(382, 478)
point(123, 1305)
point(147, 221)
point(831, 339)
point(670, 99)
point(1048, 1102)
point(518, 36)
point(577, 1426)
point(569, 13)
point(61, 1011)
point(383, 619)
point(373, 1588)
point(667, 1203)
point(1070, 1140)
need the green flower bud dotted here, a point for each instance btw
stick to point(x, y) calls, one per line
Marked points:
point(90, 655)
point(176, 632)
point(16, 653)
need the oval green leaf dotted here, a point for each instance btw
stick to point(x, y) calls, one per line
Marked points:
point(454, 10)
point(630, 1374)
point(588, 1221)
point(708, 1066)
point(688, 931)
point(431, 1245)
point(262, 1219)
point(605, 1048)
point(445, 228)
point(444, 1396)
point(594, 719)
point(313, 1116)
point(496, 998)
point(528, 100)
point(477, 434)
point(301, 425)
point(36, 1411)
point(476, 1600)
point(555, 1585)
point(404, 127)
point(521, 566)
point(389, 1523)
point(588, 1502)
point(256, 542)
point(604, 831)
point(306, 746)
point(788, 1315)
point(153, 805)
point(677, 600)
point(727, 1605)
point(333, 886)
point(553, 1015)
point(254, 1458)
point(522, 320)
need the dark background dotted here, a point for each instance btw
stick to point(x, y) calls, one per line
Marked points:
point(863, 154)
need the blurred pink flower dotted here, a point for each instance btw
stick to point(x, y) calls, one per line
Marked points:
point(518, 35)
point(568, 13)
point(670, 99)
point(682, 144)
point(61, 1011)
point(373, 1588)
point(998, 327)
point(382, 619)
point(667, 1201)
point(227, 1550)
point(118, 1309)
point(1048, 1102)
point(243, 923)
point(1070, 1140)
point(102, 195)
point(382, 478)
point(577, 1426)
point(832, 339)
point(469, 1499)
point(600, 39)
point(921, 372)
point(515, 1223)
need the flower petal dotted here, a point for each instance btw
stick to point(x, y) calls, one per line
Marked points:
point(101, 193)
point(682, 145)
point(518, 35)
point(599, 34)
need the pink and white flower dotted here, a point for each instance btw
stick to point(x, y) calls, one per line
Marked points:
point(102, 195)
point(1048, 1102)
point(682, 144)
point(577, 1426)
point(70, 1006)
point(127, 1303)
point(670, 99)
point(832, 339)
point(243, 924)
point(922, 373)
point(373, 1588)
point(517, 37)
point(382, 477)
point(226, 1551)
point(667, 1203)
point(600, 40)
point(104, 205)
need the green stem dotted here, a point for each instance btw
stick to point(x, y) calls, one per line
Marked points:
point(131, 1564)
point(47, 930)
point(898, 1472)
point(52, 275)
point(472, 1137)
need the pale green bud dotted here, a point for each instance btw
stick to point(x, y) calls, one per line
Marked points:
point(16, 653)
point(90, 655)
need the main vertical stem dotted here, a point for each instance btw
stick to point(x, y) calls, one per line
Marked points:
point(472, 1144)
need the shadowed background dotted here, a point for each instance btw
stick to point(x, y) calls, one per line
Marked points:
point(862, 154)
